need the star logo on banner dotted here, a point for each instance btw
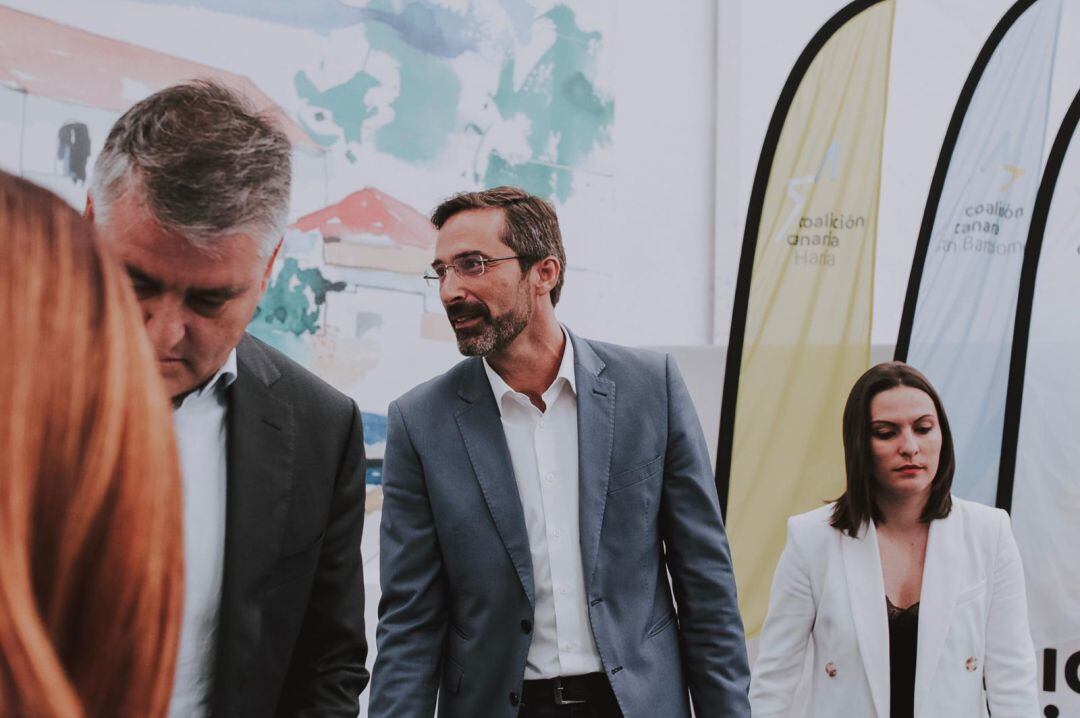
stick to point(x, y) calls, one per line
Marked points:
point(830, 163)
point(1015, 173)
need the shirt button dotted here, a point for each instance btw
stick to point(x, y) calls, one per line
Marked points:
point(557, 533)
point(513, 698)
point(550, 478)
point(564, 590)
point(526, 625)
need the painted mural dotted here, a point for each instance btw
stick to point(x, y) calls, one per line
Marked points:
point(392, 105)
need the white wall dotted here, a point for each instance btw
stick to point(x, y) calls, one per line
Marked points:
point(665, 93)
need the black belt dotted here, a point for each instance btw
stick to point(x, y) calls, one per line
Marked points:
point(565, 690)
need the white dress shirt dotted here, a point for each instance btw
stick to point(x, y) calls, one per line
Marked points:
point(544, 454)
point(200, 427)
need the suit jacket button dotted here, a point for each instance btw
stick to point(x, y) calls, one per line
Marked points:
point(513, 698)
point(526, 625)
point(971, 664)
point(830, 669)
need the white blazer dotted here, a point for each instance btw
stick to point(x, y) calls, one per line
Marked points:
point(973, 623)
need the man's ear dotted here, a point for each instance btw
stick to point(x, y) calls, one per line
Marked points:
point(270, 265)
point(547, 273)
point(88, 213)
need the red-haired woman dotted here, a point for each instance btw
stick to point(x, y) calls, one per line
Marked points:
point(90, 526)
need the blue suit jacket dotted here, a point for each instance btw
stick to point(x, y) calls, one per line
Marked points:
point(457, 583)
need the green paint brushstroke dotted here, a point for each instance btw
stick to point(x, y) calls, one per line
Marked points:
point(292, 346)
point(291, 303)
point(344, 102)
point(425, 110)
point(323, 140)
point(538, 179)
point(563, 107)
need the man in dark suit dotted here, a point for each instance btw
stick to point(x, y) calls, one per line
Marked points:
point(537, 497)
point(191, 190)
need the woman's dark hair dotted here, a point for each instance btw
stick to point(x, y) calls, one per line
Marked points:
point(857, 505)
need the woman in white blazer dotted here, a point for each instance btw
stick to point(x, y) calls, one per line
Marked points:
point(913, 600)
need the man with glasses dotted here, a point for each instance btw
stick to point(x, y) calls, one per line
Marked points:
point(537, 498)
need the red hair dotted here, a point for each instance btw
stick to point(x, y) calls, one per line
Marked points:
point(91, 565)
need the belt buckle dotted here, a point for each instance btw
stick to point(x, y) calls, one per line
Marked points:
point(559, 700)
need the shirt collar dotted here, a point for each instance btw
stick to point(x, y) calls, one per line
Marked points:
point(566, 372)
point(224, 377)
point(566, 368)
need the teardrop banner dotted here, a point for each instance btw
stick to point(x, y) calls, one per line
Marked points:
point(800, 331)
point(961, 303)
point(1039, 482)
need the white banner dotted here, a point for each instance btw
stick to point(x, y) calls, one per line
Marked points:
point(1046, 484)
point(961, 335)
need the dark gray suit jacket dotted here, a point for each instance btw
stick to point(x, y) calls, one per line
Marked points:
point(291, 634)
point(457, 583)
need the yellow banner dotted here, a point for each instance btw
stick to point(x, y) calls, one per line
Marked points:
point(807, 332)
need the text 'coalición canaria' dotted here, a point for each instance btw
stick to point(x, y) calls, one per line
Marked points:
point(817, 239)
point(977, 228)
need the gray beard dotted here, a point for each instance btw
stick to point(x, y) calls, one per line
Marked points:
point(496, 335)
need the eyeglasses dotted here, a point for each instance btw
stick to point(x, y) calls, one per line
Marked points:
point(471, 265)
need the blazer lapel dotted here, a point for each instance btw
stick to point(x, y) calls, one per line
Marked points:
point(481, 429)
point(938, 599)
point(596, 438)
point(260, 472)
point(866, 591)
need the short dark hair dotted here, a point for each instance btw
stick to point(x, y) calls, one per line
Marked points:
point(857, 505)
point(204, 160)
point(530, 226)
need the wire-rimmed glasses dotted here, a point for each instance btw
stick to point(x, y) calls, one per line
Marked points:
point(469, 265)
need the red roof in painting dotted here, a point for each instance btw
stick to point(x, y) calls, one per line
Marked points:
point(371, 212)
point(48, 59)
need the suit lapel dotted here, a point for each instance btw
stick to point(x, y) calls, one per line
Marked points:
point(866, 591)
point(938, 599)
point(260, 471)
point(596, 438)
point(481, 429)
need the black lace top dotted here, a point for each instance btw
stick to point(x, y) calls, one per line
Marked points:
point(903, 640)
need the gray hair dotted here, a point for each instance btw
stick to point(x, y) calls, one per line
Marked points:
point(204, 163)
